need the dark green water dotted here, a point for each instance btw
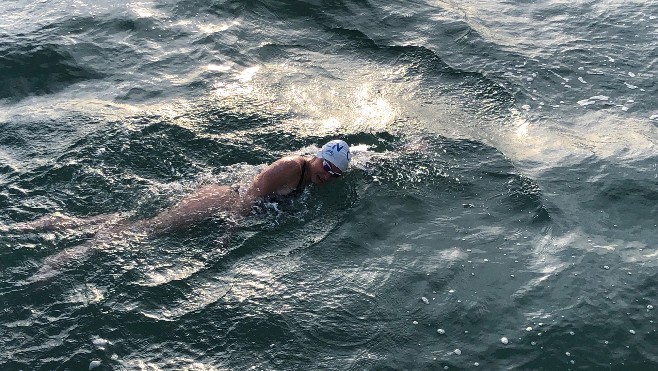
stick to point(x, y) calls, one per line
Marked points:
point(504, 185)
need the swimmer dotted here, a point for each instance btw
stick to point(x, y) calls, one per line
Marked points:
point(287, 176)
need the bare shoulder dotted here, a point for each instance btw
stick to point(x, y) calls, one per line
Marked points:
point(280, 177)
point(288, 163)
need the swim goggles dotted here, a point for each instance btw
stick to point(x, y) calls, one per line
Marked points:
point(327, 167)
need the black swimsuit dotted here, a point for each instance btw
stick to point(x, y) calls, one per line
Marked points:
point(299, 189)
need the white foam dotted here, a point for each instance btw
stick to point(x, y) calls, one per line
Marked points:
point(592, 100)
point(100, 342)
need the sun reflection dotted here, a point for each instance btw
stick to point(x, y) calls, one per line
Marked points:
point(142, 11)
point(248, 74)
point(218, 67)
point(331, 123)
point(255, 283)
point(214, 28)
point(230, 90)
point(374, 112)
point(521, 127)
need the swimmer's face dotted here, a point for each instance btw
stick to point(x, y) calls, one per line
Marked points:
point(323, 171)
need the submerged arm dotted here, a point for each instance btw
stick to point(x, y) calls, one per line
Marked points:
point(193, 209)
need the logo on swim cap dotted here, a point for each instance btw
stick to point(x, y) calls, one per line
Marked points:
point(337, 152)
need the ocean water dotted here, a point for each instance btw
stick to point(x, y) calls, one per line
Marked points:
point(501, 211)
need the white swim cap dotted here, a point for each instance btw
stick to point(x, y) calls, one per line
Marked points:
point(337, 152)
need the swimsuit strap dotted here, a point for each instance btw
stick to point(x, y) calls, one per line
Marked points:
point(301, 180)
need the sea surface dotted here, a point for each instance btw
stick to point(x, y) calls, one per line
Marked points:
point(501, 211)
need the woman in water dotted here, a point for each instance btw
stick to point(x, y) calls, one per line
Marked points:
point(286, 176)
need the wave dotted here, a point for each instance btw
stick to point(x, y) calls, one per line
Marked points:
point(37, 69)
